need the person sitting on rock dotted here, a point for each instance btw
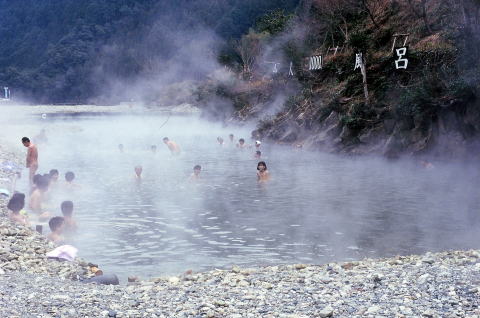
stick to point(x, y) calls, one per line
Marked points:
point(262, 173)
point(16, 205)
point(56, 225)
point(67, 211)
point(38, 198)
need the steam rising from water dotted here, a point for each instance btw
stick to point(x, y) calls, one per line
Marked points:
point(317, 208)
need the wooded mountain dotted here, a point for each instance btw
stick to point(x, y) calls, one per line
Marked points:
point(70, 50)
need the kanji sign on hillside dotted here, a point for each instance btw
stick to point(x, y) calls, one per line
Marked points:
point(315, 63)
point(358, 61)
point(402, 61)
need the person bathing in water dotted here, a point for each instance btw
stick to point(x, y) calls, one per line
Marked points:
point(38, 198)
point(196, 173)
point(56, 225)
point(120, 148)
point(241, 143)
point(138, 172)
point(32, 158)
point(220, 141)
point(172, 146)
point(67, 211)
point(231, 136)
point(16, 205)
point(262, 172)
point(53, 176)
point(35, 182)
point(258, 154)
point(69, 177)
point(154, 148)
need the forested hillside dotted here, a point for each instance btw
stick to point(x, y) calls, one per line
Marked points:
point(292, 66)
point(75, 51)
point(428, 106)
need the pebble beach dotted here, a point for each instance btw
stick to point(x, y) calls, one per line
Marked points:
point(443, 284)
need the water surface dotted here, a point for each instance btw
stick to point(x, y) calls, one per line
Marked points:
point(317, 208)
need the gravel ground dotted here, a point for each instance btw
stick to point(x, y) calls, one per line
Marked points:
point(431, 285)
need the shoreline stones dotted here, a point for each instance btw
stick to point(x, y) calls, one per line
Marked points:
point(372, 288)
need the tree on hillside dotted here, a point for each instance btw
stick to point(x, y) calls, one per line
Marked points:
point(419, 9)
point(371, 7)
point(335, 15)
point(274, 22)
point(249, 47)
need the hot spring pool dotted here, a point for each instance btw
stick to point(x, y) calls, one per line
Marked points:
point(317, 208)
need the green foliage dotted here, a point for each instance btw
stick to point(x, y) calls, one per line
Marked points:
point(383, 38)
point(274, 22)
point(293, 102)
point(422, 100)
point(359, 117)
point(359, 41)
point(461, 89)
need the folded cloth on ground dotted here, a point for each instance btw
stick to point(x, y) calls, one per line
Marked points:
point(5, 192)
point(66, 252)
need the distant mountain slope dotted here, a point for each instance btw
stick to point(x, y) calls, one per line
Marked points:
point(70, 50)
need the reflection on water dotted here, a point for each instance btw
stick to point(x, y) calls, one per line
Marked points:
point(317, 208)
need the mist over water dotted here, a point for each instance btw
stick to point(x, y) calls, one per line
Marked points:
point(317, 208)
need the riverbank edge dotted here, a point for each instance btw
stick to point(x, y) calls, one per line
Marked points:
point(121, 109)
point(292, 291)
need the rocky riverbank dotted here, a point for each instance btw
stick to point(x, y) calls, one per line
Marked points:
point(432, 285)
point(23, 249)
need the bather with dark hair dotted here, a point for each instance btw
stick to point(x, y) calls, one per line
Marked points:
point(56, 225)
point(241, 143)
point(196, 173)
point(39, 196)
point(172, 146)
point(69, 183)
point(262, 172)
point(69, 176)
point(53, 175)
point(16, 205)
point(67, 211)
point(32, 158)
